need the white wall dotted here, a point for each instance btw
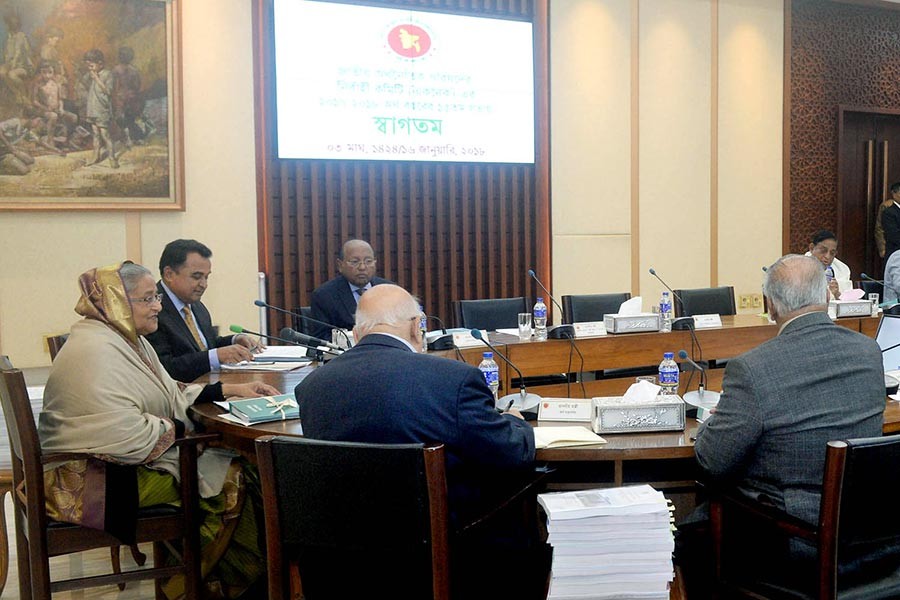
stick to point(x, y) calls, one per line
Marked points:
point(631, 166)
point(42, 254)
point(666, 141)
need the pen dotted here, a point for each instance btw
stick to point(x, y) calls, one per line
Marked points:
point(508, 406)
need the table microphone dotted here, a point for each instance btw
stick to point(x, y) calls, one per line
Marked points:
point(443, 341)
point(558, 332)
point(681, 323)
point(301, 338)
point(239, 329)
point(263, 304)
point(526, 399)
point(701, 396)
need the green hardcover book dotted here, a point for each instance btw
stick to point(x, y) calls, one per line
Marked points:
point(266, 408)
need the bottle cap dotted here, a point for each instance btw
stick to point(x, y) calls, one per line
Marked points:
point(668, 355)
point(487, 355)
point(540, 300)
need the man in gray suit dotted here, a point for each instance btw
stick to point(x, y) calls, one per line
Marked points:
point(785, 399)
point(781, 403)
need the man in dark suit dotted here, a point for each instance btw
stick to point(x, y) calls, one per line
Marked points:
point(335, 301)
point(890, 221)
point(185, 340)
point(384, 391)
point(785, 399)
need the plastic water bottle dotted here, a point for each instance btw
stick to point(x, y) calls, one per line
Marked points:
point(668, 374)
point(491, 373)
point(540, 320)
point(665, 313)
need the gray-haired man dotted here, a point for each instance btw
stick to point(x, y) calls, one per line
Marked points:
point(782, 402)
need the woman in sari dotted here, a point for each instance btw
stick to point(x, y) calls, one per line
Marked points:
point(109, 396)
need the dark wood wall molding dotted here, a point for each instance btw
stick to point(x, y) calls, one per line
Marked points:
point(443, 231)
point(840, 53)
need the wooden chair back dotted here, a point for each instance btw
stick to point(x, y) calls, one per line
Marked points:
point(343, 519)
point(38, 538)
point(857, 538)
point(55, 344)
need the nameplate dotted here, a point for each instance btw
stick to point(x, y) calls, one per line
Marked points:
point(564, 409)
point(707, 321)
point(589, 329)
point(464, 339)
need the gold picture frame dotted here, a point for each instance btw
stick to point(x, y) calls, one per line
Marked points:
point(90, 105)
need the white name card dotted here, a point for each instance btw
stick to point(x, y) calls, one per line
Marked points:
point(590, 329)
point(564, 409)
point(464, 339)
point(707, 321)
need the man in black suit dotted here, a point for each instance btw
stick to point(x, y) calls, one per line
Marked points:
point(384, 391)
point(185, 340)
point(335, 302)
point(890, 221)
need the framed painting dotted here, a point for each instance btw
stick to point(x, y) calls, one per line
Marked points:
point(90, 105)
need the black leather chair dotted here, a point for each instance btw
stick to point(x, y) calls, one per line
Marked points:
point(591, 307)
point(349, 520)
point(302, 325)
point(857, 538)
point(491, 314)
point(705, 301)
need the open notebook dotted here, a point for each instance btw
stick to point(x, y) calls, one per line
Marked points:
point(564, 437)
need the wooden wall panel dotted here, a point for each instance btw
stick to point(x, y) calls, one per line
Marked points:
point(840, 54)
point(444, 231)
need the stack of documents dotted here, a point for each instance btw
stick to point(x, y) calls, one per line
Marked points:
point(610, 544)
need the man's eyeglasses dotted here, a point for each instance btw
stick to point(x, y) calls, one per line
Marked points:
point(148, 299)
point(354, 263)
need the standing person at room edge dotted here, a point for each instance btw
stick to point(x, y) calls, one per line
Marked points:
point(824, 246)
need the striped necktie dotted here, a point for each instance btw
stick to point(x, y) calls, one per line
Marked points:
point(192, 325)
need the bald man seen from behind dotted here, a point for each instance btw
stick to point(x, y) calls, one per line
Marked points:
point(384, 391)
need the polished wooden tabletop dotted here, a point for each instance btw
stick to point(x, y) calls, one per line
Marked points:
point(738, 334)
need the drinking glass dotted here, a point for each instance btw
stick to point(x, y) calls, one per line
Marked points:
point(873, 298)
point(524, 326)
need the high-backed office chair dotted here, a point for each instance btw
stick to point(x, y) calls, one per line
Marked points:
point(302, 325)
point(490, 314)
point(705, 301)
point(55, 344)
point(346, 519)
point(591, 307)
point(38, 538)
point(857, 538)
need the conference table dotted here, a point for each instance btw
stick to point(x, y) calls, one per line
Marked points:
point(663, 459)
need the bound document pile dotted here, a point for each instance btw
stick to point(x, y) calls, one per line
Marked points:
point(610, 544)
point(266, 408)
